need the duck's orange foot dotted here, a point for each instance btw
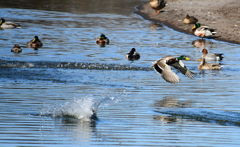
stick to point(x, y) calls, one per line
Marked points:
point(157, 12)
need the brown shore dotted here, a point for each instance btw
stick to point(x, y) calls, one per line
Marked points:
point(223, 15)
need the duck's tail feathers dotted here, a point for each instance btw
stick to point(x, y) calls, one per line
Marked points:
point(220, 56)
point(214, 33)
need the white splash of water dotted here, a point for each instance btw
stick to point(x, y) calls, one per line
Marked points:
point(80, 108)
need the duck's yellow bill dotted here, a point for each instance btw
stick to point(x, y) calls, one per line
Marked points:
point(187, 58)
point(198, 60)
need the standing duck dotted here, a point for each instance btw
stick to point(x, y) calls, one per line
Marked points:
point(157, 5)
point(162, 66)
point(102, 40)
point(205, 65)
point(8, 25)
point(35, 43)
point(190, 20)
point(133, 55)
point(202, 31)
point(16, 49)
point(211, 56)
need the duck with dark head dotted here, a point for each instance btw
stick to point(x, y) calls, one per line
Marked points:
point(162, 66)
point(102, 40)
point(8, 25)
point(203, 31)
point(133, 55)
point(16, 49)
point(35, 43)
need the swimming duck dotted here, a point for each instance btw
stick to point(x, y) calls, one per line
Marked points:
point(211, 56)
point(35, 43)
point(162, 66)
point(16, 49)
point(202, 31)
point(133, 55)
point(8, 25)
point(205, 65)
point(157, 5)
point(102, 40)
point(190, 20)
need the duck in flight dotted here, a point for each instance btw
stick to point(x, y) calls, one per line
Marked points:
point(163, 67)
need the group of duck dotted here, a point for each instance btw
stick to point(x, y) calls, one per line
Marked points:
point(197, 29)
point(34, 43)
point(163, 65)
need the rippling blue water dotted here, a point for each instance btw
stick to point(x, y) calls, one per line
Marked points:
point(47, 95)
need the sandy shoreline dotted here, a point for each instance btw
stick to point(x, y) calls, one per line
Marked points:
point(219, 14)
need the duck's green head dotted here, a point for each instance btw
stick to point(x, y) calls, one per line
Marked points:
point(183, 57)
point(35, 39)
point(197, 25)
point(2, 21)
point(102, 36)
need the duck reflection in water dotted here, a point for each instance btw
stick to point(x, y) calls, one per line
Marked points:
point(155, 26)
point(202, 43)
point(169, 102)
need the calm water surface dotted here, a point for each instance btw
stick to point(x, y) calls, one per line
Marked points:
point(47, 94)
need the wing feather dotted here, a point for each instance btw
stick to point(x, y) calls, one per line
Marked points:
point(165, 71)
point(183, 69)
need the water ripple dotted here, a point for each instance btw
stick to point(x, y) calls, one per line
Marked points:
point(205, 115)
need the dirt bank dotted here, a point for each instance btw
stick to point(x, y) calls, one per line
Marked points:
point(220, 14)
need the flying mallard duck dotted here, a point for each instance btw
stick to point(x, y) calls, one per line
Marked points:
point(205, 65)
point(102, 40)
point(16, 49)
point(190, 20)
point(157, 5)
point(162, 67)
point(8, 25)
point(133, 55)
point(35, 43)
point(202, 31)
point(211, 56)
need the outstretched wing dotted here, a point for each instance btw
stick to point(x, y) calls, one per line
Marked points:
point(165, 71)
point(183, 69)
